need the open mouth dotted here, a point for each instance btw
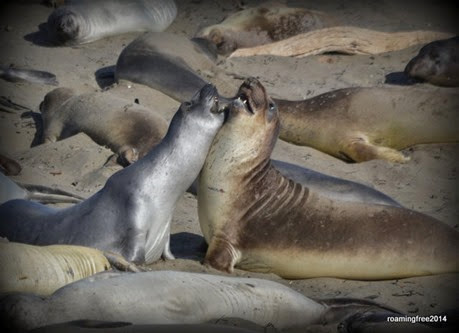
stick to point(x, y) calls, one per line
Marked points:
point(245, 101)
point(215, 107)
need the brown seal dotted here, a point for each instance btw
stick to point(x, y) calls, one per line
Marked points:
point(256, 219)
point(266, 23)
point(361, 124)
point(129, 129)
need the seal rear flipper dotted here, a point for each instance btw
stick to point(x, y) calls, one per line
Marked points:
point(339, 309)
point(361, 150)
point(28, 75)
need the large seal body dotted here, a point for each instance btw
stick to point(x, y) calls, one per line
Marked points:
point(128, 129)
point(44, 269)
point(176, 298)
point(84, 21)
point(263, 24)
point(437, 63)
point(360, 124)
point(171, 64)
point(256, 219)
point(131, 215)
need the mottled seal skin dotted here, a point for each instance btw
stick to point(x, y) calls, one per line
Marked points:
point(128, 129)
point(171, 64)
point(361, 124)
point(87, 20)
point(437, 63)
point(131, 214)
point(256, 219)
point(263, 24)
point(173, 297)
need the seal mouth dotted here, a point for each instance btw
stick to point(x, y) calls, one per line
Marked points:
point(243, 102)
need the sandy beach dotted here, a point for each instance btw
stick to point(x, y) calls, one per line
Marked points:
point(428, 183)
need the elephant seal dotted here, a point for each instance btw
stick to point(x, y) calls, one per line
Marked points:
point(253, 217)
point(266, 23)
point(85, 21)
point(177, 298)
point(361, 124)
point(172, 64)
point(44, 269)
point(128, 129)
point(131, 214)
point(437, 63)
point(10, 190)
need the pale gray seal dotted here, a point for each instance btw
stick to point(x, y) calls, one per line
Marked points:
point(437, 63)
point(128, 129)
point(256, 219)
point(172, 297)
point(131, 214)
point(84, 21)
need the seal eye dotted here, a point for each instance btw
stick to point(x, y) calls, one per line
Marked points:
point(186, 106)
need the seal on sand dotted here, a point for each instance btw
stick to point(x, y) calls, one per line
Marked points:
point(173, 297)
point(171, 64)
point(361, 124)
point(266, 23)
point(437, 63)
point(253, 217)
point(85, 21)
point(128, 129)
point(131, 214)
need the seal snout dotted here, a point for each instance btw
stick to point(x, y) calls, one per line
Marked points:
point(209, 93)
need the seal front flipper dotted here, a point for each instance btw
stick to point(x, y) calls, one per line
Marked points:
point(119, 262)
point(222, 255)
point(360, 149)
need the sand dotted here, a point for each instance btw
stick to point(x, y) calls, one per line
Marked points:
point(427, 183)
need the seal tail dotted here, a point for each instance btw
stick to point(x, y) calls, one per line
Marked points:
point(46, 194)
point(340, 309)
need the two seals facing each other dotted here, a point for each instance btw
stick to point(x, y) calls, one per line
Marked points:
point(256, 219)
point(86, 20)
point(131, 214)
point(128, 129)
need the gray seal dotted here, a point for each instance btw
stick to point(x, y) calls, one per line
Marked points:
point(84, 21)
point(437, 63)
point(172, 297)
point(131, 214)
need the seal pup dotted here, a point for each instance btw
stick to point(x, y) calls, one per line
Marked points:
point(254, 218)
point(10, 190)
point(342, 39)
point(85, 21)
point(437, 63)
point(128, 129)
point(266, 23)
point(172, 64)
point(12, 74)
point(173, 297)
point(131, 214)
point(361, 124)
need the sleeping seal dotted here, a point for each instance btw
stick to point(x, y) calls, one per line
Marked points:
point(131, 214)
point(85, 21)
point(256, 219)
point(437, 63)
point(128, 129)
point(173, 297)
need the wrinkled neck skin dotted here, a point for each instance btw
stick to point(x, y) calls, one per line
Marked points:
point(230, 167)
